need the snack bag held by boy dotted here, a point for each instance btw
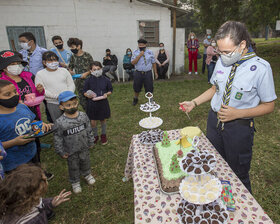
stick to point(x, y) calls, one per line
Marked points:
point(73, 139)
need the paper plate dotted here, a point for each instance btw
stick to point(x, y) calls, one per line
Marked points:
point(37, 101)
point(150, 122)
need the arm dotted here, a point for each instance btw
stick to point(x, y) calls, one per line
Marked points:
point(167, 59)
point(203, 98)
point(155, 70)
point(135, 61)
point(89, 133)
point(71, 65)
point(69, 81)
point(58, 141)
point(86, 74)
point(38, 80)
point(228, 113)
point(115, 60)
point(156, 56)
point(20, 140)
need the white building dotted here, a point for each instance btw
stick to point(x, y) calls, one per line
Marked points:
point(101, 24)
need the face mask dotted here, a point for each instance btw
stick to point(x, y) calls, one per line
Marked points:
point(142, 48)
point(209, 37)
point(161, 48)
point(71, 110)
point(25, 46)
point(10, 103)
point(192, 37)
point(97, 73)
point(53, 65)
point(74, 51)
point(60, 46)
point(15, 69)
point(213, 44)
point(129, 52)
point(231, 59)
point(107, 54)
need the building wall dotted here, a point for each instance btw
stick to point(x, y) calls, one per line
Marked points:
point(100, 24)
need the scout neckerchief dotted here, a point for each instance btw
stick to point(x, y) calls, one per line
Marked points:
point(226, 97)
point(145, 59)
point(28, 59)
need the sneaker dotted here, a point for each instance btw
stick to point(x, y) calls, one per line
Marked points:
point(104, 140)
point(76, 188)
point(135, 101)
point(190, 73)
point(49, 175)
point(196, 73)
point(90, 179)
point(96, 139)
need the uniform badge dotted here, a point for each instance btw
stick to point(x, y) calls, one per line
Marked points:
point(238, 96)
point(253, 68)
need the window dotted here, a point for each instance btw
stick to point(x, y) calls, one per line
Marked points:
point(149, 30)
point(14, 31)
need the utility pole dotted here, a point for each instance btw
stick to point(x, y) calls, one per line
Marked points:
point(174, 38)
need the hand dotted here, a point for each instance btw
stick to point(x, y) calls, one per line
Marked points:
point(40, 88)
point(188, 105)
point(62, 64)
point(20, 140)
point(62, 197)
point(88, 95)
point(156, 75)
point(105, 95)
point(84, 75)
point(141, 53)
point(160, 65)
point(1, 157)
point(46, 127)
point(65, 156)
point(227, 113)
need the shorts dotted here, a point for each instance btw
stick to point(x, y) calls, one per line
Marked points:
point(141, 78)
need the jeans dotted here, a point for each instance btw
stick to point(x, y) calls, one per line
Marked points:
point(204, 63)
point(111, 69)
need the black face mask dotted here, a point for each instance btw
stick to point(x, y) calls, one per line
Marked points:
point(10, 103)
point(108, 54)
point(74, 51)
point(71, 110)
point(142, 48)
point(60, 46)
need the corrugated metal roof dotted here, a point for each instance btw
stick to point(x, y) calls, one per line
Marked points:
point(160, 3)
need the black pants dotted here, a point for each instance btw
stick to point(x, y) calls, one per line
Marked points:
point(204, 63)
point(162, 71)
point(143, 78)
point(49, 118)
point(234, 143)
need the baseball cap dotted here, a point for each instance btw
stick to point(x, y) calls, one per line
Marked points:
point(7, 57)
point(65, 96)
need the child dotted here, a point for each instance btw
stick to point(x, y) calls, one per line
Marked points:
point(15, 123)
point(73, 139)
point(55, 80)
point(21, 195)
point(95, 86)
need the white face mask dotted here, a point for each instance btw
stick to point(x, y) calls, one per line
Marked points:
point(97, 73)
point(231, 58)
point(213, 44)
point(25, 46)
point(192, 37)
point(15, 69)
point(53, 65)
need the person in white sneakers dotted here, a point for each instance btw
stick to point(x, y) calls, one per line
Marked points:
point(55, 80)
point(73, 139)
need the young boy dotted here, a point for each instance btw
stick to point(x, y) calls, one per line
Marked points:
point(73, 139)
point(79, 64)
point(15, 123)
point(55, 80)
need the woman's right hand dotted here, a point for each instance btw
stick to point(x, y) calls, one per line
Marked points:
point(188, 105)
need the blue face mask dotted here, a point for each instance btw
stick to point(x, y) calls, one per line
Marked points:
point(209, 37)
point(129, 52)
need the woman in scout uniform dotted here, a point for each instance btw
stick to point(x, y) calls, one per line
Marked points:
point(243, 88)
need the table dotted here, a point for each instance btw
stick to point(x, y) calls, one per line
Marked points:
point(153, 206)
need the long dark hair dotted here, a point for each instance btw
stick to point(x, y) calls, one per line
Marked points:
point(236, 31)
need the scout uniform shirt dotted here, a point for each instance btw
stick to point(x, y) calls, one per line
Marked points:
point(253, 82)
point(145, 63)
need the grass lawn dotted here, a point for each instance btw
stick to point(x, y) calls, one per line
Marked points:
point(110, 200)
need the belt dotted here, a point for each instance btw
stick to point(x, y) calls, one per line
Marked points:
point(143, 72)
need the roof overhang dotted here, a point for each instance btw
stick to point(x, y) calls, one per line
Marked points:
point(171, 7)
